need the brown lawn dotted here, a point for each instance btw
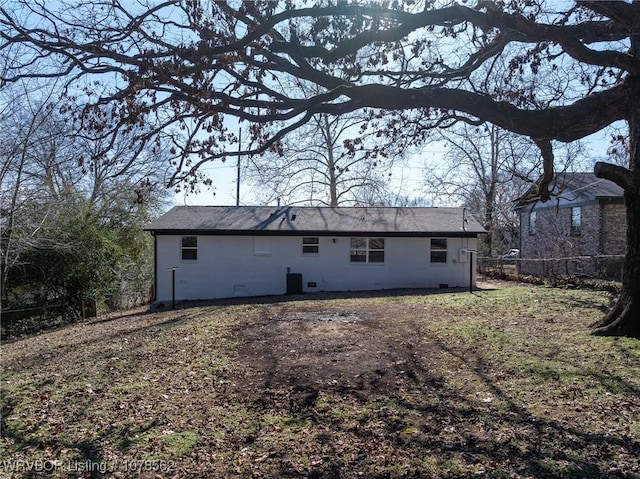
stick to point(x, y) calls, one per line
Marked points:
point(505, 382)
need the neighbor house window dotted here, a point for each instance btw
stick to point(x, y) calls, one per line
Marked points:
point(438, 250)
point(310, 246)
point(576, 220)
point(367, 250)
point(189, 247)
point(532, 223)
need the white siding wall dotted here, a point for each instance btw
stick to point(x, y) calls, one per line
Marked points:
point(230, 266)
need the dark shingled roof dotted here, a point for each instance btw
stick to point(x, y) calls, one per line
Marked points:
point(587, 184)
point(293, 220)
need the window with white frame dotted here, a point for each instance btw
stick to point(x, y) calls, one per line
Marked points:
point(367, 250)
point(576, 220)
point(438, 250)
point(189, 248)
point(310, 245)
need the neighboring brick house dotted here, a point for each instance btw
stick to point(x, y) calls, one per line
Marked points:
point(580, 230)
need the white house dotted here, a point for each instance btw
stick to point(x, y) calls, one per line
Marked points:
point(205, 252)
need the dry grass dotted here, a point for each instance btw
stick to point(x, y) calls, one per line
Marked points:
point(502, 383)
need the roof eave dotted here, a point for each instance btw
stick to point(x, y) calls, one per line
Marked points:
point(397, 234)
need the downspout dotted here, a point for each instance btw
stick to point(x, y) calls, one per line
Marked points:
point(465, 246)
point(155, 267)
point(471, 271)
point(519, 263)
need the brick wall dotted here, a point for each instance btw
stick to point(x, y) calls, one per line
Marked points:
point(614, 224)
point(554, 239)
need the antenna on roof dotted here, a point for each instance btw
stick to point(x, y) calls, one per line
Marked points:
point(278, 208)
point(464, 219)
point(238, 172)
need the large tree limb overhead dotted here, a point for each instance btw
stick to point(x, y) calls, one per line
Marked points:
point(571, 38)
point(616, 173)
point(230, 64)
point(558, 123)
point(621, 12)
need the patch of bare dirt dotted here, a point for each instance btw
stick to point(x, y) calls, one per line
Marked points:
point(362, 353)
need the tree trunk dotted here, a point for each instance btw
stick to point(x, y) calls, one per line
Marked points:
point(331, 165)
point(624, 317)
point(490, 189)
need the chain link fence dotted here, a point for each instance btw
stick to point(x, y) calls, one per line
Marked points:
point(31, 318)
point(601, 267)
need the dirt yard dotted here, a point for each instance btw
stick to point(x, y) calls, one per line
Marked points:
point(356, 352)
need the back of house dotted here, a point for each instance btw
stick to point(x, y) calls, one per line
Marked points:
point(206, 252)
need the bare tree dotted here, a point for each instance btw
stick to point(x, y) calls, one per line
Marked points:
point(548, 75)
point(313, 165)
point(487, 168)
point(24, 119)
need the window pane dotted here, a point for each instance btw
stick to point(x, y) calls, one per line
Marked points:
point(189, 253)
point(438, 256)
point(376, 243)
point(576, 216)
point(376, 256)
point(439, 244)
point(358, 256)
point(310, 245)
point(189, 241)
point(576, 220)
point(358, 243)
point(532, 222)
